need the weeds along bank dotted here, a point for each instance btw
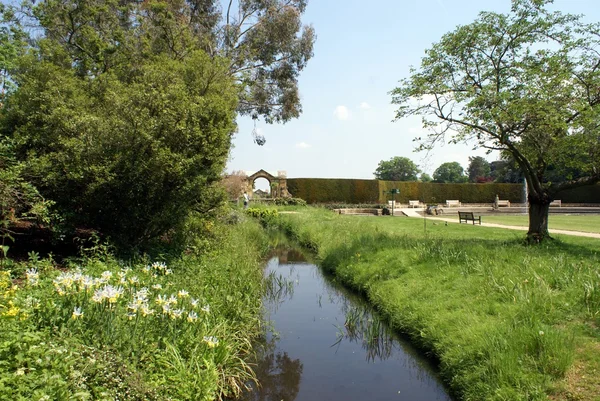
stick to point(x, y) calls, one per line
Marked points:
point(103, 329)
point(506, 321)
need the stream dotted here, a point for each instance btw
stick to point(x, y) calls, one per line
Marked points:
point(327, 344)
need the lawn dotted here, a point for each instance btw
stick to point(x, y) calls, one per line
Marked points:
point(505, 320)
point(575, 222)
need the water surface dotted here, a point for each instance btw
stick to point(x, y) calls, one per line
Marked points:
point(327, 344)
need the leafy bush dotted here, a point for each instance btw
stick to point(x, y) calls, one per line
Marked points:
point(127, 155)
point(289, 202)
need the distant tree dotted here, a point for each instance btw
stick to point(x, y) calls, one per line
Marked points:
point(397, 169)
point(506, 171)
point(425, 177)
point(449, 172)
point(235, 184)
point(479, 169)
point(524, 83)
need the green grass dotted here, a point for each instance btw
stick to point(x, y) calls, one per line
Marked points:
point(181, 330)
point(506, 321)
point(586, 223)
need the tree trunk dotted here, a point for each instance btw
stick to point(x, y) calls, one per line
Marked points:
point(538, 219)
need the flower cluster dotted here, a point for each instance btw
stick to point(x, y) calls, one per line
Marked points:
point(7, 296)
point(158, 269)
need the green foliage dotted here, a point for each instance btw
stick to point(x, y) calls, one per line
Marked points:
point(265, 216)
point(397, 169)
point(439, 193)
point(373, 192)
point(104, 329)
point(522, 82)
point(130, 159)
point(324, 190)
point(503, 319)
point(479, 169)
point(290, 202)
point(424, 177)
point(450, 172)
point(584, 194)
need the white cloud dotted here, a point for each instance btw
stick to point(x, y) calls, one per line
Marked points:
point(303, 145)
point(365, 106)
point(341, 113)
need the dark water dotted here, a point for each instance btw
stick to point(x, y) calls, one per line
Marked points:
point(328, 346)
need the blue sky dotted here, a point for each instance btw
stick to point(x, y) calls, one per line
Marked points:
point(362, 50)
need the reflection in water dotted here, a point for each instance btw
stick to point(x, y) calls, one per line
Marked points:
point(361, 326)
point(278, 376)
point(336, 348)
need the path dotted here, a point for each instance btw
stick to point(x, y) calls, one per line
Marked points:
point(414, 213)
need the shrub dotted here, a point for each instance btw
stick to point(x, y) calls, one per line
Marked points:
point(128, 156)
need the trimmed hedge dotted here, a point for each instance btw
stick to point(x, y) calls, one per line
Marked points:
point(585, 194)
point(354, 191)
point(428, 192)
point(328, 190)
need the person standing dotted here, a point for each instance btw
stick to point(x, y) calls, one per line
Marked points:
point(246, 200)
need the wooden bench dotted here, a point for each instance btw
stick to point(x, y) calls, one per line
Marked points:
point(414, 203)
point(450, 203)
point(556, 202)
point(468, 216)
point(503, 203)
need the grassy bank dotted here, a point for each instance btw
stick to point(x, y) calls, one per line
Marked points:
point(506, 321)
point(586, 223)
point(98, 328)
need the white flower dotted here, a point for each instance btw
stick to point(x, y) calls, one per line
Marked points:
point(205, 309)
point(183, 294)
point(88, 282)
point(541, 333)
point(157, 287)
point(161, 300)
point(77, 313)
point(194, 302)
point(211, 341)
point(146, 310)
point(106, 275)
point(32, 276)
point(192, 316)
point(176, 313)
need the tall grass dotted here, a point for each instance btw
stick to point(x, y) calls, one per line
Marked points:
point(100, 328)
point(505, 320)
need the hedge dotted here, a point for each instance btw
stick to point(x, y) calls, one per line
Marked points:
point(328, 190)
point(354, 191)
point(585, 194)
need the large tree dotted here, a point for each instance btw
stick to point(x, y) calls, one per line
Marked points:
point(526, 83)
point(397, 169)
point(450, 172)
point(264, 40)
point(479, 169)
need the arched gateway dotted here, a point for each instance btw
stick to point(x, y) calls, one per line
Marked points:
point(278, 184)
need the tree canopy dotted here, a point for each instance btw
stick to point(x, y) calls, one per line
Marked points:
point(397, 169)
point(450, 172)
point(479, 169)
point(526, 83)
point(122, 111)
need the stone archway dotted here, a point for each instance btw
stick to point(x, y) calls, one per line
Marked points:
point(277, 183)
